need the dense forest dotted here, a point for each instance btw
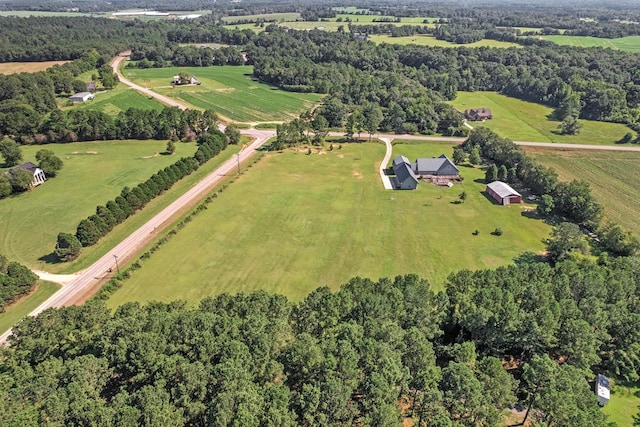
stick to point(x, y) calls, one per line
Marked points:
point(371, 354)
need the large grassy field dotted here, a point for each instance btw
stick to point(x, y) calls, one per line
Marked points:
point(613, 177)
point(299, 221)
point(230, 91)
point(268, 17)
point(93, 173)
point(629, 44)
point(623, 406)
point(423, 40)
point(27, 67)
point(17, 311)
point(114, 101)
point(527, 121)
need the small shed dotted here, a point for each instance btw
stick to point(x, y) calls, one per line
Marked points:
point(38, 174)
point(81, 97)
point(503, 193)
point(602, 389)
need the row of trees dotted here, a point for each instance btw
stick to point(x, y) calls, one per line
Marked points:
point(114, 212)
point(373, 353)
point(16, 280)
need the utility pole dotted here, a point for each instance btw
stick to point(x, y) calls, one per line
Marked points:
point(117, 266)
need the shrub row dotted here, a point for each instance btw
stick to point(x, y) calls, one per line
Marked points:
point(91, 229)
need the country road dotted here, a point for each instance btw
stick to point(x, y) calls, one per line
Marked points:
point(80, 283)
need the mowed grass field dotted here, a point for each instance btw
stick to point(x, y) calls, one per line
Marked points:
point(628, 44)
point(423, 40)
point(622, 409)
point(528, 121)
point(230, 91)
point(113, 101)
point(613, 176)
point(267, 17)
point(26, 305)
point(296, 222)
point(93, 173)
point(27, 67)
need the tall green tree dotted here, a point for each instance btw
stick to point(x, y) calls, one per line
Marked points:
point(11, 152)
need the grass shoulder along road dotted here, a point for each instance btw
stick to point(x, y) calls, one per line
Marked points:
point(612, 175)
point(26, 305)
point(229, 90)
point(527, 121)
point(299, 221)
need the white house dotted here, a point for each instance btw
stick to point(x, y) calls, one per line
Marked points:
point(81, 97)
point(38, 174)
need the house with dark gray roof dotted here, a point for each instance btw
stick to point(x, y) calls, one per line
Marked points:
point(436, 166)
point(478, 114)
point(38, 174)
point(602, 389)
point(405, 178)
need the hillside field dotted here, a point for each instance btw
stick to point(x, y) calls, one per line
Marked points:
point(424, 40)
point(527, 121)
point(113, 101)
point(628, 44)
point(613, 177)
point(296, 222)
point(228, 90)
point(27, 67)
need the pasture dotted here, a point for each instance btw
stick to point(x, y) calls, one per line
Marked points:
point(298, 221)
point(93, 173)
point(613, 177)
point(622, 409)
point(27, 67)
point(26, 305)
point(424, 40)
point(230, 91)
point(528, 121)
point(113, 101)
point(628, 44)
point(266, 17)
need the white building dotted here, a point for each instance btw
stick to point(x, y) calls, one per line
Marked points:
point(81, 97)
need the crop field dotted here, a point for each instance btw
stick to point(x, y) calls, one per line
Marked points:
point(229, 90)
point(528, 121)
point(422, 40)
point(613, 177)
point(27, 67)
point(93, 173)
point(628, 44)
point(267, 17)
point(299, 221)
point(114, 101)
point(26, 305)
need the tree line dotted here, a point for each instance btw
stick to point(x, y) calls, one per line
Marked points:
point(16, 280)
point(68, 246)
point(373, 353)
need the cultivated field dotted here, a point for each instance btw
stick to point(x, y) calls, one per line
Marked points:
point(423, 40)
point(17, 311)
point(93, 173)
point(299, 221)
point(27, 67)
point(613, 177)
point(629, 44)
point(527, 121)
point(229, 90)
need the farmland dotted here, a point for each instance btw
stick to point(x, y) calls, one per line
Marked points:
point(229, 90)
point(114, 101)
point(613, 177)
point(628, 44)
point(27, 67)
point(423, 40)
point(527, 121)
point(299, 221)
point(93, 173)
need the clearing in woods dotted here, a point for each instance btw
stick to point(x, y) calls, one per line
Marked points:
point(27, 67)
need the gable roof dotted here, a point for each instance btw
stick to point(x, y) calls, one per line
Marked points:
point(403, 172)
point(400, 159)
point(434, 165)
point(502, 189)
point(28, 166)
point(479, 112)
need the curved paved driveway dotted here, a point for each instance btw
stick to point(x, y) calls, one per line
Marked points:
point(386, 182)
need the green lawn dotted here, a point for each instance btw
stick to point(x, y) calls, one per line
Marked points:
point(623, 406)
point(93, 173)
point(629, 44)
point(230, 91)
point(527, 121)
point(298, 221)
point(114, 101)
point(269, 17)
point(15, 312)
point(613, 177)
point(423, 40)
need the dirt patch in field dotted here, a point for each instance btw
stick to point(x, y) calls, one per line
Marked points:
point(356, 174)
point(226, 89)
point(341, 156)
point(92, 152)
point(151, 157)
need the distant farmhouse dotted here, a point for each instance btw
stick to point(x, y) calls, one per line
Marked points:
point(81, 97)
point(184, 80)
point(439, 171)
point(38, 174)
point(503, 193)
point(91, 87)
point(478, 114)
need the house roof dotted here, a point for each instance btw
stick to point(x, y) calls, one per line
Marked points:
point(502, 189)
point(27, 166)
point(81, 94)
point(602, 386)
point(400, 159)
point(403, 172)
point(433, 164)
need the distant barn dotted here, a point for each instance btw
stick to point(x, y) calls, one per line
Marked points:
point(503, 193)
point(81, 97)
